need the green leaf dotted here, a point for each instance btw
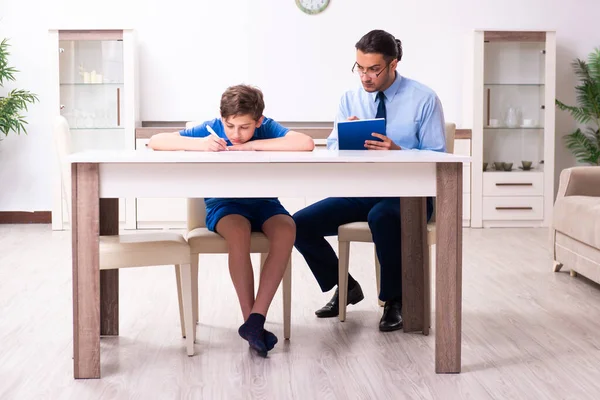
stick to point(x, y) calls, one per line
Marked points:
point(6, 73)
point(579, 113)
point(584, 146)
point(584, 143)
point(16, 101)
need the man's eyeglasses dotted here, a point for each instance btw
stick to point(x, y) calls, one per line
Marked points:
point(360, 71)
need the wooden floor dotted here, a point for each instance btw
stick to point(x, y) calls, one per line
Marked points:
point(528, 333)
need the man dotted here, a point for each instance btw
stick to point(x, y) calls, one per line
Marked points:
point(414, 120)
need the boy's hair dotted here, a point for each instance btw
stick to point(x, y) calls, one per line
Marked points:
point(242, 100)
point(382, 42)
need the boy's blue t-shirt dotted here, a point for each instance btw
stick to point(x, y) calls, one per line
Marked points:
point(269, 129)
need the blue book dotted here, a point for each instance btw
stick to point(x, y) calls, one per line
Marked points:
point(352, 134)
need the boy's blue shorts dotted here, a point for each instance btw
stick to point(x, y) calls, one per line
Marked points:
point(257, 211)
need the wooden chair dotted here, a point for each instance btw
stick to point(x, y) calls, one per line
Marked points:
point(360, 232)
point(135, 249)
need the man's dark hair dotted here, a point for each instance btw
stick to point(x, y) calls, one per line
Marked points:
point(242, 100)
point(381, 42)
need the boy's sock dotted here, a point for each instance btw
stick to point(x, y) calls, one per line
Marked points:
point(253, 331)
point(270, 340)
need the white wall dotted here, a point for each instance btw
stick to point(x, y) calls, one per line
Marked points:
point(190, 51)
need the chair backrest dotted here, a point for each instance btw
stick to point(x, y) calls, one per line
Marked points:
point(191, 124)
point(450, 134)
point(196, 213)
point(196, 209)
point(62, 144)
point(450, 129)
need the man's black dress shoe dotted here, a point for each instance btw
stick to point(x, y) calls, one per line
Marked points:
point(332, 308)
point(391, 319)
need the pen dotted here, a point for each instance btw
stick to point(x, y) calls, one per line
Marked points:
point(212, 132)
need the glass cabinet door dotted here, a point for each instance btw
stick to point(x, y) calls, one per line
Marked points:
point(513, 126)
point(91, 92)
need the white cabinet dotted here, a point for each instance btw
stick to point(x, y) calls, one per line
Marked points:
point(512, 103)
point(93, 85)
point(509, 184)
point(161, 213)
point(513, 208)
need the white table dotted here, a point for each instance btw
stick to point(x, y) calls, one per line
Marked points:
point(100, 178)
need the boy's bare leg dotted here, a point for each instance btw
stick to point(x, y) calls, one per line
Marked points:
point(236, 231)
point(281, 232)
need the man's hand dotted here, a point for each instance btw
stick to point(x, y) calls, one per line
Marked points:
point(387, 143)
point(214, 143)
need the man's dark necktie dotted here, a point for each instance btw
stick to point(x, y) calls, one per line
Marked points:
point(381, 106)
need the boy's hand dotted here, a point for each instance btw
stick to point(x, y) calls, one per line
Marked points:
point(214, 143)
point(248, 146)
point(387, 143)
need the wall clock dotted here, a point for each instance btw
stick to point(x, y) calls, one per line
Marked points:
point(312, 7)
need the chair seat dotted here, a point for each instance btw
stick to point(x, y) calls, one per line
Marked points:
point(360, 232)
point(143, 249)
point(204, 241)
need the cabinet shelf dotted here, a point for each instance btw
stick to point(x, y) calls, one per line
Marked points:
point(515, 84)
point(517, 128)
point(93, 84)
point(537, 170)
point(98, 128)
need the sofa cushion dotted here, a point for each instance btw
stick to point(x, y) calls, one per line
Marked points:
point(579, 218)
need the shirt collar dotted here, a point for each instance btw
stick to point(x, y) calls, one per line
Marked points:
point(391, 91)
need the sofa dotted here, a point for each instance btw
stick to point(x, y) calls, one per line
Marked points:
point(575, 230)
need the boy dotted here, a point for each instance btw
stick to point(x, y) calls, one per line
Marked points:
point(243, 127)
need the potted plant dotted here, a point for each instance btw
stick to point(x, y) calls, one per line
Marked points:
point(585, 144)
point(15, 102)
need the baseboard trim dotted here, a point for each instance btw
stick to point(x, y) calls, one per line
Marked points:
point(24, 217)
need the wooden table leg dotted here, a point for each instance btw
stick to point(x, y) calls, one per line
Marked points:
point(109, 279)
point(413, 220)
point(448, 310)
point(86, 279)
